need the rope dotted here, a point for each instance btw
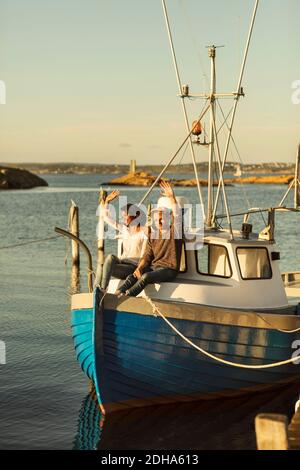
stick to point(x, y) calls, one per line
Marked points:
point(180, 161)
point(38, 240)
point(277, 329)
point(212, 356)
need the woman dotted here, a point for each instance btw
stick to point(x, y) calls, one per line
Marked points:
point(161, 259)
point(134, 241)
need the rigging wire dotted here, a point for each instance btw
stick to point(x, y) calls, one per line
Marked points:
point(187, 145)
point(180, 161)
point(190, 33)
point(237, 151)
point(239, 84)
point(164, 6)
point(30, 242)
point(241, 161)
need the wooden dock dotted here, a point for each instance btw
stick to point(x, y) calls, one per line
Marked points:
point(294, 430)
point(274, 433)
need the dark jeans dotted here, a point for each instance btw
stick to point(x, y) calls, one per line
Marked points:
point(150, 276)
point(114, 266)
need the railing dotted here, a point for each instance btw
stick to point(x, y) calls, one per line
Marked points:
point(291, 278)
point(70, 235)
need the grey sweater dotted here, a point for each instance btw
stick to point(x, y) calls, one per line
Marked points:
point(163, 253)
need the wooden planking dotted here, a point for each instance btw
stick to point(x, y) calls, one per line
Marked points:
point(294, 430)
point(274, 433)
point(271, 431)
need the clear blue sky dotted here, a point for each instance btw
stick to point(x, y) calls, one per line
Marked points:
point(93, 80)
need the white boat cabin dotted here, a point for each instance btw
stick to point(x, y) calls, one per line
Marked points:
point(218, 271)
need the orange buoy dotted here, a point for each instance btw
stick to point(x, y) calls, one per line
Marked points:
point(197, 128)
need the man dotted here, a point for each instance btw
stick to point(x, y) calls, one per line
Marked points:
point(161, 260)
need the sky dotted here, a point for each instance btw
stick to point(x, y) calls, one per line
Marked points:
point(93, 81)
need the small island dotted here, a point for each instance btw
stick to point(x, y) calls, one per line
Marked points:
point(143, 178)
point(17, 178)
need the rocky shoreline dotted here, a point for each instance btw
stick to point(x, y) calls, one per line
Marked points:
point(278, 168)
point(17, 178)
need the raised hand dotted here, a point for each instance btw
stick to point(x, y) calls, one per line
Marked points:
point(167, 189)
point(111, 196)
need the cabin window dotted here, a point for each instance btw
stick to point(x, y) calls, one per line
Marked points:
point(254, 263)
point(213, 260)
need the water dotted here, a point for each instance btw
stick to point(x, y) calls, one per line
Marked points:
point(44, 400)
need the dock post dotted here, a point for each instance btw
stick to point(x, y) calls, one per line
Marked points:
point(101, 246)
point(294, 428)
point(74, 229)
point(271, 432)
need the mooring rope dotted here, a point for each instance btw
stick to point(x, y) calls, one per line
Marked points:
point(38, 240)
point(274, 328)
point(212, 356)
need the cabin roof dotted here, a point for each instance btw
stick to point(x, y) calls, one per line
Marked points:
point(225, 236)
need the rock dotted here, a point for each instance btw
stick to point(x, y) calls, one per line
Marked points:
point(274, 179)
point(143, 178)
point(16, 178)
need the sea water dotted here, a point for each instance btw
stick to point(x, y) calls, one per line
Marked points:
point(44, 401)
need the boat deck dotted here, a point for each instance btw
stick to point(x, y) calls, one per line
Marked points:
point(292, 285)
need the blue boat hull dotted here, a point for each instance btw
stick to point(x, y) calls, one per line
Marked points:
point(135, 359)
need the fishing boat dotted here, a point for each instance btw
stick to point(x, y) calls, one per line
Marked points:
point(229, 323)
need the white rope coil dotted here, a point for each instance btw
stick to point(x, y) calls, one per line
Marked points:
point(212, 356)
point(296, 330)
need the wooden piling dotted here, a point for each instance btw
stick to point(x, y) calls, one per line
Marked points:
point(294, 429)
point(271, 432)
point(100, 244)
point(74, 229)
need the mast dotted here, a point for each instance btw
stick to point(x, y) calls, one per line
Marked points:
point(210, 201)
point(213, 145)
point(185, 114)
point(239, 92)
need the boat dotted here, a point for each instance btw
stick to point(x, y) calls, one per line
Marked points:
point(228, 325)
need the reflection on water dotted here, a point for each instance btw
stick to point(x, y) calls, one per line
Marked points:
point(89, 425)
point(41, 386)
point(207, 425)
